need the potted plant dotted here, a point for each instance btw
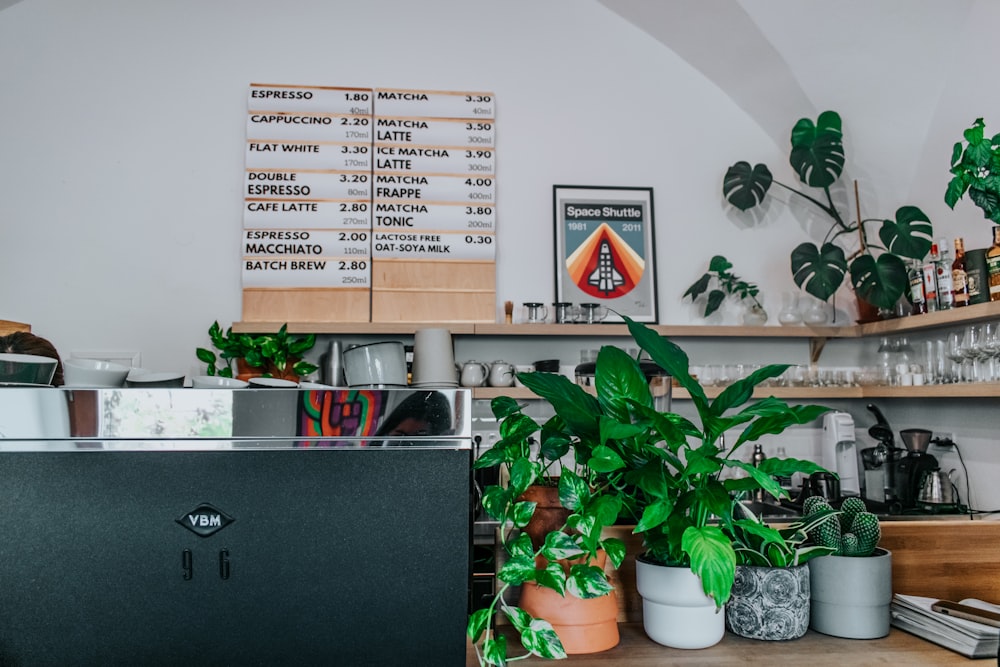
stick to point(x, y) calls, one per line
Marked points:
point(667, 473)
point(726, 283)
point(851, 587)
point(770, 598)
point(975, 169)
point(276, 355)
point(878, 273)
point(554, 550)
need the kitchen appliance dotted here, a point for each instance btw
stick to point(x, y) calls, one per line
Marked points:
point(938, 488)
point(825, 485)
point(909, 469)
point(840, 452)
point(273, 548)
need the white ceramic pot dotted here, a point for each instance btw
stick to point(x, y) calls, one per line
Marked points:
point(675, 610)
point(851, 596)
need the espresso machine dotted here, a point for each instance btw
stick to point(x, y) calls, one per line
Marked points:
point(894, 475)
point(910, 468)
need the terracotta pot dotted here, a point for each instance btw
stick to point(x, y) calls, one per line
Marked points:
point(549, 514)
point(866, 311)
point(244, 371)
point(583, 626)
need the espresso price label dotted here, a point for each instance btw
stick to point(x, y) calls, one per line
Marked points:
point(306, 272)
point(268, 97)
point(434, 159)
point(290, 126)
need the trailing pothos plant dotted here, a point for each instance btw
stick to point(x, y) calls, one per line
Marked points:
point(878, 273)
point(665, 470)
point(567, 553)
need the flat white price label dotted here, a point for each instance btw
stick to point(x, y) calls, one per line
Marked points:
point(435, 188)
point(306, 243)
point(285, 126)
point(434, 131)
point(307, 155)
point(316, 99)
point(434, 159)
point(433, 104)
point(307, 214)
point(301, 272)
point(433, 245)
point(288, 184)
point(444, 217)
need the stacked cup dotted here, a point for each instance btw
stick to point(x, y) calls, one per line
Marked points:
point(433, 359)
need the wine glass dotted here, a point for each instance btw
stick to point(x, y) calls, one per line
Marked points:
point(953, 351)
point(972, 342)
point(991, 349)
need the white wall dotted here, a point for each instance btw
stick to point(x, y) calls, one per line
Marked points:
point(122, 133)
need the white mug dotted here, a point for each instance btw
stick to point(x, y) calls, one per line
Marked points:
point(374, 365)
point(501, 374)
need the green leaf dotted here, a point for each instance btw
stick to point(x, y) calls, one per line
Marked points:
point(910, 235)
point(618, 379)
point(588, 581)
point(495, 502)
point(479, 620)
point(521, 548)
point(880, 282)
point(522, 513)
point(559, 545)
point(523, 473)
point(517, 570)
point(745, 187)
point(504, 406)
point(712, 559)
point(552, 576)
point(819, 272)
point(495, 651)
point(714, 301)
point(817, 153)
point(654, 515)
point(605, 459)
point(741, 391)
point(518, 617)
point(573, 491)
point(206, 356)
point(719, 264)
point(671, 358)
point(569, 400)
point(615, 549)
point(699, 287)
point(542, 640)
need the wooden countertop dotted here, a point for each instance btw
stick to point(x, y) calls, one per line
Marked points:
point(813, 650)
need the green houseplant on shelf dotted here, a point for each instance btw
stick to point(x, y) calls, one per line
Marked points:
point(975, 169)
point(554, 548)
point(878, 273)
point(719, 282)
point(852, 586)
point(276, 355)
point(666, 471)
point(771, 591)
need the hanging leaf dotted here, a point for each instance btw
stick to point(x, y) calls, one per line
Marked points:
point(744, 187)
point(910, 235)
point(817, 153)
point(880, 281)
point(819, 272)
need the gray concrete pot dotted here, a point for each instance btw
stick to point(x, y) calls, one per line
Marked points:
point(851, 596)
point(770, 603)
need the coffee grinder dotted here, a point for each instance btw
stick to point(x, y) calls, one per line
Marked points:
point(909, 469)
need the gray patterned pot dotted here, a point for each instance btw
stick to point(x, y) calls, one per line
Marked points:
point(769, 603)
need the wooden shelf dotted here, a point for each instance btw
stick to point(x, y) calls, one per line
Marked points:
point(969, 390)
point(940, 319)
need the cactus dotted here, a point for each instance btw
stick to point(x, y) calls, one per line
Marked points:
point(853, 532)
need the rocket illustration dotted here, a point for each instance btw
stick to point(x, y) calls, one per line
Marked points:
point(605, 277)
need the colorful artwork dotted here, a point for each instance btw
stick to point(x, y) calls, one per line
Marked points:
point(326, 416)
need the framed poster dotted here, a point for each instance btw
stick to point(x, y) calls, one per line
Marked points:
point(604, 249)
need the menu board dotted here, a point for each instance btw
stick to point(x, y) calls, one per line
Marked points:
point(390, 192)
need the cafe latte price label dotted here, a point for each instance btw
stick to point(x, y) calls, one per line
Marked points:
point(329, 99)
point(312, 215)
point(293, 272)
point(432, 245)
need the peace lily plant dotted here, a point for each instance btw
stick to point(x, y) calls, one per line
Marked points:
point(664, 471)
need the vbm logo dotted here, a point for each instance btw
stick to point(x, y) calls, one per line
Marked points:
point(205, 520)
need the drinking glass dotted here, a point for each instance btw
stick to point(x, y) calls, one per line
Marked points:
point(972, 351)
point(991, 349)
point(953, 351)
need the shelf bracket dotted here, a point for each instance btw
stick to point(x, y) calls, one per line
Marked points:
point(816, 345)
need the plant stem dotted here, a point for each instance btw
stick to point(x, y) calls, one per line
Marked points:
point(829, 209)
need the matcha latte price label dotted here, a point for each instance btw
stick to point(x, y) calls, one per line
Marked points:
point(434, 132)
point(302, 272)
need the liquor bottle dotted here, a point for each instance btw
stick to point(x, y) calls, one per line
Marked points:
point(959, 275)
point(993, 265)
point(929, 270)
point(916, 277)
point(943, 268)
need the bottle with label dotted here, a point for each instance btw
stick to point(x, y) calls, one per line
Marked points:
point(959, 275)
point(993, 265)
point(943, 268)
point(916, 277)
point(929, 270)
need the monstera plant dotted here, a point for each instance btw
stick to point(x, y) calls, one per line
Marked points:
point(877, 270)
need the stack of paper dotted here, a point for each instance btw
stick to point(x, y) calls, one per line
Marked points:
point(974, 640)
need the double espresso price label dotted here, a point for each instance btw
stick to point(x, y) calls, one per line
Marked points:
point(339, 178)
